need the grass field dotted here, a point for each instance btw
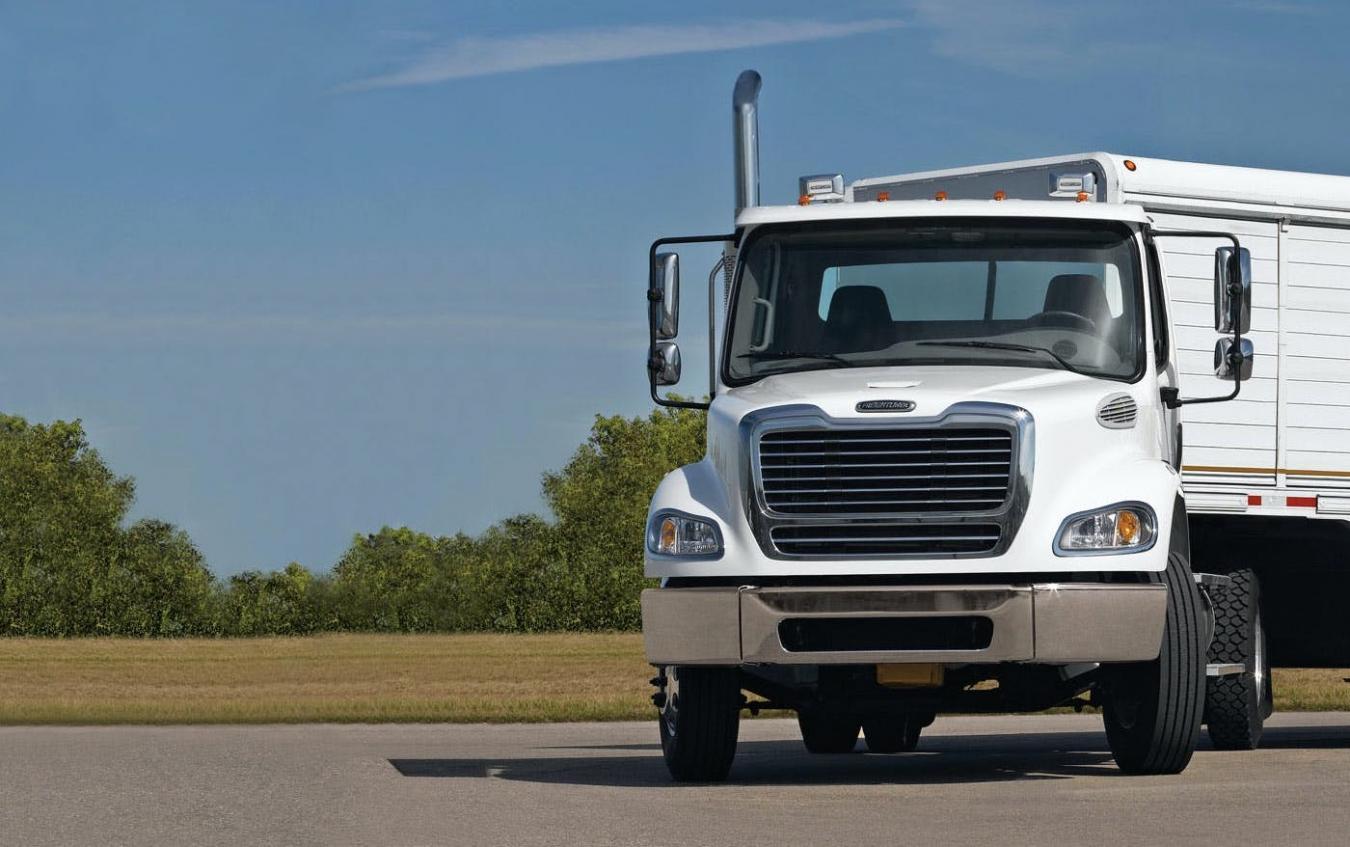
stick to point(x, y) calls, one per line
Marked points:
point(373, 678)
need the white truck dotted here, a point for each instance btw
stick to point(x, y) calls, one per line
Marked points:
point(946, 469)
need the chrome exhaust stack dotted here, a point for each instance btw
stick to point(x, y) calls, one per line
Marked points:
point(745, 134)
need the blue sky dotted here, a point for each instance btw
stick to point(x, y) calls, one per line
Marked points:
point(309, 268)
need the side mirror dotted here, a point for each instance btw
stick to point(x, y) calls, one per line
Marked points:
point(1227, 359)
point(1232, 290)
point(664, 295)
point(664, 364)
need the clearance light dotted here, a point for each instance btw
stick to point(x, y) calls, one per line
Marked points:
point(1130, 165)
point(1123, 528)
point(883, 196)
point(804, 200)
point(941, 195)
point(1000, 195)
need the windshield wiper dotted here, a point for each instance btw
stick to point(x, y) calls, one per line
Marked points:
point(999, 345)
point(794, 354)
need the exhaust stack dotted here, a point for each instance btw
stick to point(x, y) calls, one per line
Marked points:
point(745, 133)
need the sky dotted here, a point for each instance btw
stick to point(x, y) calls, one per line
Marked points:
point(306, 269)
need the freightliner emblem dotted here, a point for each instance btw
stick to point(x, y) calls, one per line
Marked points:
point(885, 406)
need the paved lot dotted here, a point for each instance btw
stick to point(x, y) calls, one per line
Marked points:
point(1007, 781)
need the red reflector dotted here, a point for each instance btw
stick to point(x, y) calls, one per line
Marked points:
point(1301, 502)
point(1253, 499)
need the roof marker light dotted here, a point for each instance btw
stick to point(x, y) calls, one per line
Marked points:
point(941, 195)
point(804, 200)
point(1000, 195)
point(1083, 197)
point(1130, 165)
point(883, 196)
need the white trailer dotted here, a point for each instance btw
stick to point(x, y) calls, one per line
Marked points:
point(947, 465)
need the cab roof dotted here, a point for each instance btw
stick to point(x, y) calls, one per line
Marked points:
point(847, 211)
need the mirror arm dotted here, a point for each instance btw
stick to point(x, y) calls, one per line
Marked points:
point(654, 296)
point(1171, 397)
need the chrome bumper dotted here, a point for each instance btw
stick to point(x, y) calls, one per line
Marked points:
point(1044, 622)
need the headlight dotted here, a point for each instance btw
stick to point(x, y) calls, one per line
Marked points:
point(1122, 528)
point(674, 534)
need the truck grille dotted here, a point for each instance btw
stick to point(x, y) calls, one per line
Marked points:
point(950, 470)
point(885, 539)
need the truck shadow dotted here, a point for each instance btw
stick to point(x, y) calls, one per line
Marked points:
point(952, 759)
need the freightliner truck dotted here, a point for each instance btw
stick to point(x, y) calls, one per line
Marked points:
point(983, 440)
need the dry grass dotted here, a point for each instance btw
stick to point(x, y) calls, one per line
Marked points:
point(374, 678)
point(345, 678)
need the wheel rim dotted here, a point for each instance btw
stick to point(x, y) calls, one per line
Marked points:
point(671, 708)
point(1259, 670)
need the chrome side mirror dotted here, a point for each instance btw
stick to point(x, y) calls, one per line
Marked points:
point(664, 295)
point(1228, 360)
point(664, 364)
point(1232, 290)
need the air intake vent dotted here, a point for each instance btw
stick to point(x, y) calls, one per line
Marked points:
point(1117, 412)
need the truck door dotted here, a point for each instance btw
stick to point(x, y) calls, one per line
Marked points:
point(1225, 443)
point(1315, 333)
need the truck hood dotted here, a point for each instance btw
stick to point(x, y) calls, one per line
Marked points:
point(932, 389)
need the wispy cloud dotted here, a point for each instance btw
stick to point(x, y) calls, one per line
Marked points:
point(474, 56)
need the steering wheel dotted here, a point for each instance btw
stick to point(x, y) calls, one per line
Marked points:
point(1072, 320)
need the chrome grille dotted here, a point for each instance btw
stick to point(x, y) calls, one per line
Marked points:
point(948, 470)
point(885, 539)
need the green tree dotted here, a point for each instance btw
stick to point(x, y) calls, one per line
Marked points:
point(157, 584)
point(59, 527)
point(600, 500)
point(275, 603)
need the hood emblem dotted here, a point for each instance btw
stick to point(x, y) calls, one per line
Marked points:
point(885, 406)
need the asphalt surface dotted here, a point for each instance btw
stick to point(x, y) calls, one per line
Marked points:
point(1007, 781)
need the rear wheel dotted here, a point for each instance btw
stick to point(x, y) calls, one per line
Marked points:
point(894, 735)
point(1236, 706)
point(699, 719)
point(1153, 710)
point(827, 733)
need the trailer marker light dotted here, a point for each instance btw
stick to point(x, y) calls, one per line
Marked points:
point(1000, 195)
point(883, 196)
point(1130, 165)
point(941, 195)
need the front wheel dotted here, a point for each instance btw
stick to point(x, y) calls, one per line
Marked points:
point(700, 718)
point(1153, 710)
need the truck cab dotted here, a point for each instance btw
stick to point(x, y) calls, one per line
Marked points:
point(942, 474)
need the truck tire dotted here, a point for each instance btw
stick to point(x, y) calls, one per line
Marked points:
point(1235, 706)
point(699, 719)
point(828, 734)
point(893, 735)
point(1153, 710)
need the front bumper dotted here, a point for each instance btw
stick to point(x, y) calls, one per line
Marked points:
point(1042, 622)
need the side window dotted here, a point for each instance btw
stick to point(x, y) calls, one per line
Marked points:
point(1158, 307)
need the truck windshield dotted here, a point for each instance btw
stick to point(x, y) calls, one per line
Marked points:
point(865, 294)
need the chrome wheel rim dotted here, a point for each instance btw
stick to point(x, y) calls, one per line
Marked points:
point(1259, 670)
point(671, 708)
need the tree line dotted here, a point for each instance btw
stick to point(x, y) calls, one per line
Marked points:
point(72, 564)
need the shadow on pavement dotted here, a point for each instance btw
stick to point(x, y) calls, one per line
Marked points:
point(941, 760)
